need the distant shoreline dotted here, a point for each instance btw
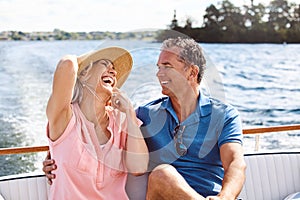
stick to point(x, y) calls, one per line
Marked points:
point(151, 36)
point(63, 35)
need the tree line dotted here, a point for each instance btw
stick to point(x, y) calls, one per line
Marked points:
point(278, 22)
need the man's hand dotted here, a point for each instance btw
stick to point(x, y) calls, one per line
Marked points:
point(48, 166)
point(212, 198)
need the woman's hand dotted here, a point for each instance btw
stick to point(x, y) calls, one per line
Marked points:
point(120, 101)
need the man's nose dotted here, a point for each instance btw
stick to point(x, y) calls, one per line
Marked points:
point(161, 71)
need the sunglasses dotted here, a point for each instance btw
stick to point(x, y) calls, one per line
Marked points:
point(181, 149)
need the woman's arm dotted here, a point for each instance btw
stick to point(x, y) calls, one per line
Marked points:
point(58, 109)
point(136, 155)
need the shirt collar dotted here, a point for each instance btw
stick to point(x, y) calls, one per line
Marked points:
point(203, 108)
point(204, 104)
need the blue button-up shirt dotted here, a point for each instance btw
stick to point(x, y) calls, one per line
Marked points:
point(212, 124)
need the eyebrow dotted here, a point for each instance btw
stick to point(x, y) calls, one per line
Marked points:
point(181, 59)
point(165, 63)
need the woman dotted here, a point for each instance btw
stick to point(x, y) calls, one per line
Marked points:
point(93, 132)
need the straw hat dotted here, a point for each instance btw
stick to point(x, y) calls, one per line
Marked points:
point(120, 58)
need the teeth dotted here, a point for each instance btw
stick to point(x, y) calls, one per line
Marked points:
point(164, 82)
point(107, 80)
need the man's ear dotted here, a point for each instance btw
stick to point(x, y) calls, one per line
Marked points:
point(194, 71)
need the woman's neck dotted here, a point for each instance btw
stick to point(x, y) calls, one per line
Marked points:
point(97, 115)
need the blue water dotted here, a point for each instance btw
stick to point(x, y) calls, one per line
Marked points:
point(260, 80)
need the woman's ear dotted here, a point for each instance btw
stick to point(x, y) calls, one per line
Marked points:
point(86, 70)
point(83, 72)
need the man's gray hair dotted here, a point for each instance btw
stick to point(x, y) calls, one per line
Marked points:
point(190, 51)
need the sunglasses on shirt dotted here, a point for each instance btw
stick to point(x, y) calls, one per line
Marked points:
point(181, 149)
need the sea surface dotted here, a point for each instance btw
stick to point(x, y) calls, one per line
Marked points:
point(260, 80)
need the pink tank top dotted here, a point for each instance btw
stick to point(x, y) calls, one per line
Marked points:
point(86, 170)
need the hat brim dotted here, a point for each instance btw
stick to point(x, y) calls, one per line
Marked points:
point(120, 58)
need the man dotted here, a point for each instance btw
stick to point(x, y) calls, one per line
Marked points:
point(195, 142)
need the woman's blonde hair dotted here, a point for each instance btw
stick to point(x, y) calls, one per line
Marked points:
point(82, 78)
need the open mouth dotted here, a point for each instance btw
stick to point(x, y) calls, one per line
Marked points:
point(164, 82)
point(108, 80)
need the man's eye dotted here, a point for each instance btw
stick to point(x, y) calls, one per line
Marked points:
point(165, 67)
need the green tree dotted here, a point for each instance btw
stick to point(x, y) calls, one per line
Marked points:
point(254, 23)
point(232, 22)
point(254, 16)
point(293, 33)
point(212, 28)
point(279, 16)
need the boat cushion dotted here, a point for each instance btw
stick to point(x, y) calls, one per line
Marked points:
point(271, 175)
point(29, 186)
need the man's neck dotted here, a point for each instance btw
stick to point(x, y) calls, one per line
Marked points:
point(185, 104)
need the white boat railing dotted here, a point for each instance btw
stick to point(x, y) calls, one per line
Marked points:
point(247, 131)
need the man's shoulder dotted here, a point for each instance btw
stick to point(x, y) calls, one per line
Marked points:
point(153, 102)
point(221, 104)
point(143, 111)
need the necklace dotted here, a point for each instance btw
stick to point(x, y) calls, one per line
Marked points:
point(103, 134)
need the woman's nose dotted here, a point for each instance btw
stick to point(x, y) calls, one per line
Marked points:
point(111, 70)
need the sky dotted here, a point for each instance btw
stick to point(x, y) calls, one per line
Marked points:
point(102, 15)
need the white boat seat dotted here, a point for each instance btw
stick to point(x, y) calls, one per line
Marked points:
point(269, 176)
point(30, 186)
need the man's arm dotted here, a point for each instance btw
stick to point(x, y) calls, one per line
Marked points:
point(234, 165)
point(48, 166)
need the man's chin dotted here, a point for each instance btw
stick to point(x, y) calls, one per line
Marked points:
point(165, 91)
